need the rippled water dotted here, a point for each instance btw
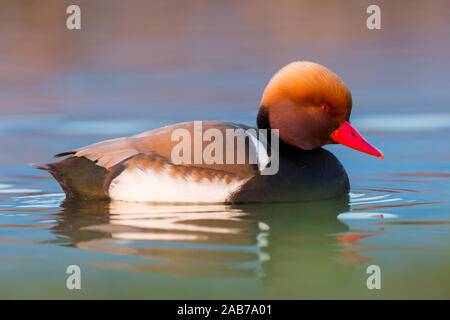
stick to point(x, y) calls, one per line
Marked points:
point(397, 217)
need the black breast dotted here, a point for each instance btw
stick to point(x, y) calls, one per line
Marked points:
point(303, 175)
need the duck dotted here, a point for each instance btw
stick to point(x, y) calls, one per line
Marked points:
point(304, 106)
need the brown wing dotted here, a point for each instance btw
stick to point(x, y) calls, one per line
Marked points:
point(109, 153)
point(88, 171)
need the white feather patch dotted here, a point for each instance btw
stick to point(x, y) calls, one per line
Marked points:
point(261, 151)
point(135, 184)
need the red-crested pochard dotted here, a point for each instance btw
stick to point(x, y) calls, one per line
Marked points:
point(308, 104)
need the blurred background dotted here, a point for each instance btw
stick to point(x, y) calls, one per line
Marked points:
point(137, 65)
point(181, 59)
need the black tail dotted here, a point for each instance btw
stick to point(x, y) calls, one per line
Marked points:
point(79, 177)
point(66, 153)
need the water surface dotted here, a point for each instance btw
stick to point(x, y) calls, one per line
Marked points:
point(396, 216)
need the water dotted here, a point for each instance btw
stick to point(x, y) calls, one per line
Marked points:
point(397, 215)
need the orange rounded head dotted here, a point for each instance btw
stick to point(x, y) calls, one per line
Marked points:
point(310, 106)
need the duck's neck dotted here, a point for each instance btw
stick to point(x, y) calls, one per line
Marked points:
point(262, 121)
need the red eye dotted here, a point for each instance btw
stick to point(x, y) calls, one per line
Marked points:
point(325, 108)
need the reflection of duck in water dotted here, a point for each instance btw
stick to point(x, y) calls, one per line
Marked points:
point(305, 256)
point(188, 241)
point(306, 102)
point(272, 241)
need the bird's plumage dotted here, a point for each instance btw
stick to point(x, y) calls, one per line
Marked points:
point(305, 102)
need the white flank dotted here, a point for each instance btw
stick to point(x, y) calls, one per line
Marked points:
point(148, 185)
